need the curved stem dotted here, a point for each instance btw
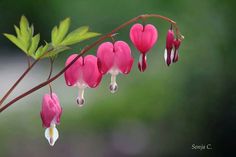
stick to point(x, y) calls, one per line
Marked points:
point(17, 82)
point(90, 47)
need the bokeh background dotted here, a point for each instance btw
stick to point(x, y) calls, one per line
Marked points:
point(161, 112)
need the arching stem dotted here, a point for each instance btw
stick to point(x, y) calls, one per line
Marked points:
point(145, 16)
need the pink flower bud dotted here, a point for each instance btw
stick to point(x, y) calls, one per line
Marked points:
point(114, 59)
point(51, 110)
point(50, 114)
point(169, 52)
point(143, 38)
point(177, 43)
point(83, 73)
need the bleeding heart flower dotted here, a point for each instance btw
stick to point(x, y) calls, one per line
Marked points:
point(177, 43)
point(83, 73)
point(169, 51)
point(114, 59)
point(172, 47)
point(143, 38)
point(50, 114)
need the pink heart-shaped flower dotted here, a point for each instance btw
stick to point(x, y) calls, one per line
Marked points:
point(82, 73)
point(114, 59)
point(143, 38)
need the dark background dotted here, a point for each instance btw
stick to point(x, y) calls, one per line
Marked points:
point(161, 112)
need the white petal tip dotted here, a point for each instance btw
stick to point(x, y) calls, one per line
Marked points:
point(51, 134)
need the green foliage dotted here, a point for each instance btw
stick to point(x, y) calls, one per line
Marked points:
point(60, 38)
point(78, 35)
point(25, 38)
point(58, 33)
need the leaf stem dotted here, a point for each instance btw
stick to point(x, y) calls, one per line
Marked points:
point(108, 35)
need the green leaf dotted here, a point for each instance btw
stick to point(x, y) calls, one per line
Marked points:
point(16, 41)
point(17, 31)
point(25, 32)
point(83, 37)
point(58, 34)
point(32, 30)
point(54, 34)
point(56, 51)
point(34, 44)
point(24, 24)
point(41, 50)
point(72, 37)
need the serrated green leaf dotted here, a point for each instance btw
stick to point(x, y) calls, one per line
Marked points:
point(16, 41)
point(56, 51)
point(25, 32)
point(34, 44)
point(72, 37)
point(17, 31)
point(79, 38)
point(24, 24)
point(54, 34)
point(62, 30)
point(41, 50)
point(25, 38)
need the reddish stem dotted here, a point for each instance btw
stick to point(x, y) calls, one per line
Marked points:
point(17, 82)
point(108, 35)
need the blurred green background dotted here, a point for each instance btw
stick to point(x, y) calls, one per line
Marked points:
point(161, 112)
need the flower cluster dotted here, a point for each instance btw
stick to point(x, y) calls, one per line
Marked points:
point(172, 47)
point(111, 58)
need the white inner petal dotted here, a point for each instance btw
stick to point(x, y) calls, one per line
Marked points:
point(113, 85)
point(165, 55)
point(172, 54)
point(51, 134)
point(140, 60)
point(80, 98)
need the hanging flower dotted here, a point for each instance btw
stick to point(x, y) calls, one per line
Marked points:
point(114, 59)
point(50, 114)
point(83, 73)
point(143, 38)
point(169, 51)
point(177, 43)
point(172, 46)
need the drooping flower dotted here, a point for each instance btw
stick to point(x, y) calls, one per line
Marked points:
point(50, 114)
point(177, 43)
point(83, 73)
point(172, 45)
point(169, 51)
point(143, 38)
point(114, 59)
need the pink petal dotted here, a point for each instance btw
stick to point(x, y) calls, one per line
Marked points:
point(105, 54)
point(123, 58)
point(51, 110)
point(170, 39)
point(169, 46)
point(73, 73)
point(91, 74)
point(143, 38)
